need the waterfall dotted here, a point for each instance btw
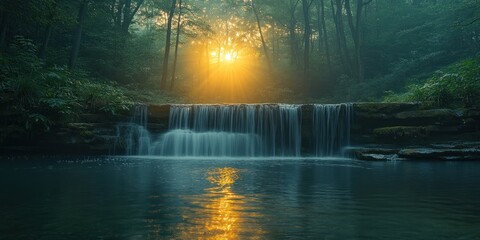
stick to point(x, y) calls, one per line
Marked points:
point(331, 123)
point(232, 130)
point(244, 130)
point(221, 144)
point(136, 137)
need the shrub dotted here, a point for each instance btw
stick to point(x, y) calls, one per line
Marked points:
point(458, 85)
point(35, 97)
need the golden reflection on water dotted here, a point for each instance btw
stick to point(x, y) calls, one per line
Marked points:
point(220, 213)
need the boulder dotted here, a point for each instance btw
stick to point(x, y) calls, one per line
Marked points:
point(158, 114)
point(384, 108)
point(440, 154)
point(444, 117)
point(376, 157)
point(401, 133)
point(432, 113)
point(373, 153)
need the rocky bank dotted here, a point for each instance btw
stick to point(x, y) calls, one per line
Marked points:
point(380, 131)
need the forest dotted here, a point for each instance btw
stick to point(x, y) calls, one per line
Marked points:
point(60, 58)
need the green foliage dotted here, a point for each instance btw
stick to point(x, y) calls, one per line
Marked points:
point(456, 85)
point(36, 97)
point(402, 41)
point(108, 98)
point(26, 60)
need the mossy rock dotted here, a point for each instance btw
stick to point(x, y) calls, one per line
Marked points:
point(440, 154)
point(375, 157)
point(158, 113)
point(472, 113)
point(384, 108)
point(401, 132)
point(80, 126)
point(440, 114)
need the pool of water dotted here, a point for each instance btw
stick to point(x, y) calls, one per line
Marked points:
point(149, 198)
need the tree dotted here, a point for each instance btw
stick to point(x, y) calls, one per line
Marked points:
point(356, 28)
point(322, 28)
point(292, 27)
point(51, 12)
point(337, 15)
point(125, 13)
point(177, 41)
point(163, 81)
point(77, 36)
point(306, 35)
point(264, 45)
point(3, 26)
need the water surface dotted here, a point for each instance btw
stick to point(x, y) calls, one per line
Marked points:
point(150, 198)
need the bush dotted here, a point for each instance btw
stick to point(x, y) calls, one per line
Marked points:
point(36, 97)
point(456, 86)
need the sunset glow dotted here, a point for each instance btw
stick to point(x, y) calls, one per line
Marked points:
point(228, 57)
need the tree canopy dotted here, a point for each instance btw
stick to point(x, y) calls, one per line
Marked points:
point(241, 50)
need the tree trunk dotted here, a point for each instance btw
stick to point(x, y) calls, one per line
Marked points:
point(306, 37)
point(356, 30)
point(118, 17)
point(325, 36)
point(177, 41)
point(344, 53)
point(354, 33)
point(319, 27)
point(128, 14)
point(46, 39)
point(77, 35)
point(3, 30)
point(264, 45)
point(358, 42)
point(163, 81)
point(294, 51)
point(337, 32)
point(112, 10)
point(52, 12)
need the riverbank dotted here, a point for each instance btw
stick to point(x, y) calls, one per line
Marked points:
point(379, 131)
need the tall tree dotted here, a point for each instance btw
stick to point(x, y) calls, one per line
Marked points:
point(322, 27)
point(357, 34)
point(306, 35)
point(264, 45)
point(163, 81)
point(51, 15)
point(343, 51)
point(123, 12)
point(77, 35)
point(177, 41)
point(3, 27)
point(129, 14)
point(292, 32)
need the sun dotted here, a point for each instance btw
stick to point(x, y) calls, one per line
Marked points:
point(228, 57)
point(224, 56)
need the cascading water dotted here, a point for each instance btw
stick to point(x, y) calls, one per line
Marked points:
point(331, 124)
point(245, 130)
point(232, 130)
point(134, 135)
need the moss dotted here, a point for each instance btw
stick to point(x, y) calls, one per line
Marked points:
point(433, 113)
point(384, 108)
point(82, 129)
point(86, 133)
point(401, 132)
